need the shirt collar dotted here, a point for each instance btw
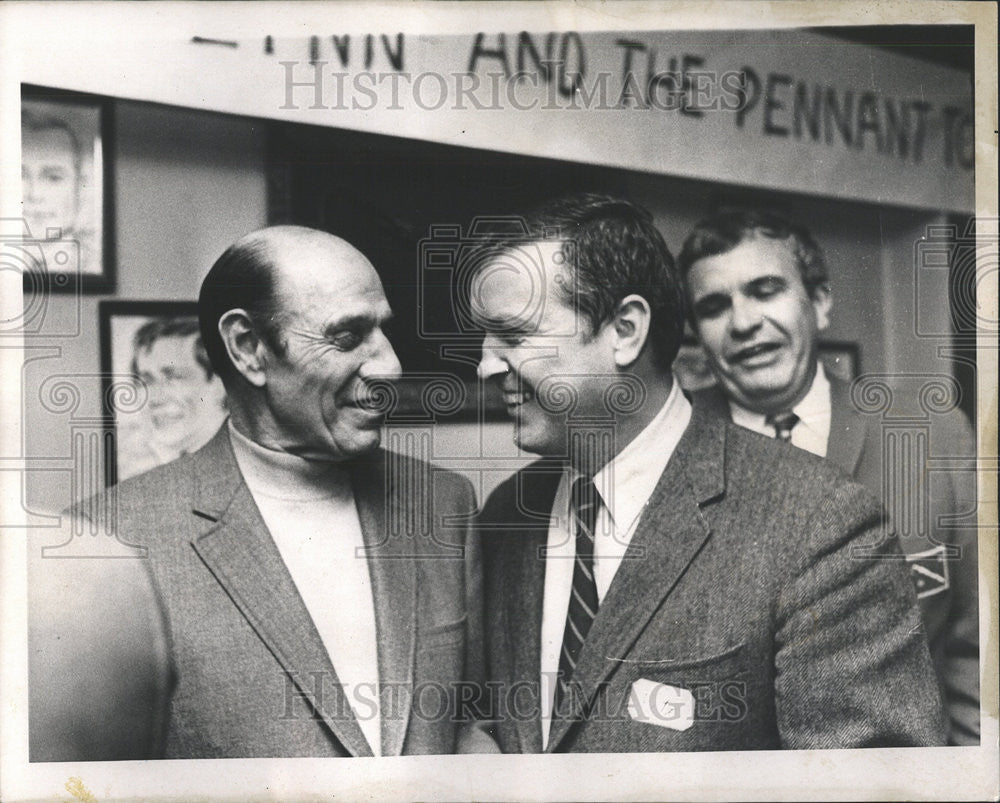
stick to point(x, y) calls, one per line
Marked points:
point(627, 481)
point(811, 410)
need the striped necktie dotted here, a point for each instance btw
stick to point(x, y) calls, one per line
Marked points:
point(584, 504)
point(783, 424)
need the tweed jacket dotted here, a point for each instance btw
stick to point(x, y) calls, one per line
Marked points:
point(746, 586)
point(253, 676)
point(946, 581)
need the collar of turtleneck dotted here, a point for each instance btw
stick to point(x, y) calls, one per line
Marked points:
point(280, 475)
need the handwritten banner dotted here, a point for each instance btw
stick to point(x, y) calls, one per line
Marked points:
point(784, 109)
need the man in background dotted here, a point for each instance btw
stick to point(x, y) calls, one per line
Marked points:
point(50, 176)
point(185, 403)
point(662, 580)
point(759, 296)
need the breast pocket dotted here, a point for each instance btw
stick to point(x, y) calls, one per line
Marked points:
point(716, 665)
point(678, 693)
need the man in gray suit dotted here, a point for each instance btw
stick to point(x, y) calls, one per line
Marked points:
point(662, 580)
point(311, 613)
point(759, 296)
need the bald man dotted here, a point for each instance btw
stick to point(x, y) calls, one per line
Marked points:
point(312, 611)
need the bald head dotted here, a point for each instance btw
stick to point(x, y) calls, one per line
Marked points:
point(281, 242)
point(264, 271)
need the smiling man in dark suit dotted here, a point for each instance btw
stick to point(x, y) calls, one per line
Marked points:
point(662, 580)
point(310, 613)
point(759, 295)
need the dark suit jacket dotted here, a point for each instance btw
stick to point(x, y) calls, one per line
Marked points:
point(254, 678)
point(947, 586)
point(741, 585)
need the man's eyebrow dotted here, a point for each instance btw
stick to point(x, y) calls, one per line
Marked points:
point(357, 321)
point(715, 295)
point(360, 320)
point(770, 277)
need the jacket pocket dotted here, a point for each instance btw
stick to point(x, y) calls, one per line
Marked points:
point(678, 693)
point(727, 663)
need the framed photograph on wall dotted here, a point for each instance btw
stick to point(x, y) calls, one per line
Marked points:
point(162, 399)
point(66, 188)
point(840, 359)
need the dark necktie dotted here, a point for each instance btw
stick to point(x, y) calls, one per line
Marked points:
point(584, 504)
point(783, 424)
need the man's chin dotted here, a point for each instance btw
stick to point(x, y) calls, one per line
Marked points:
point(537, 443)
point(361, 442)
point(760, 395)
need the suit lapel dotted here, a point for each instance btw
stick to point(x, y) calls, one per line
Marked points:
point(670, 534)
point(847, 429)
point(394, 588)
point(235, 545)
point(712, 399)
point(524, 589)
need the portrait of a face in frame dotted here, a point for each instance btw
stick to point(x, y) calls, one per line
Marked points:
point(62, 182)
point(175, 403)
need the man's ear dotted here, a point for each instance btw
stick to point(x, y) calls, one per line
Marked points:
point(822, 301)
point(631, 329)
point(245, 346)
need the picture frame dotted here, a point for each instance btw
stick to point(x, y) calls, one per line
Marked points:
point(160, 397)
point(841, 359)
point(67, 190)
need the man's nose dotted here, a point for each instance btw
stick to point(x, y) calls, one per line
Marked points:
point(156, 394)
point(745, 317)
point(490, 363)
point(383, 362)
point(28, 188)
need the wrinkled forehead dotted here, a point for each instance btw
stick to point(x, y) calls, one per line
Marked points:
point(755, 258)
point(521, 284)
point(313, 275)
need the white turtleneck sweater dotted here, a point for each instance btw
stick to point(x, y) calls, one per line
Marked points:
point(308, 507)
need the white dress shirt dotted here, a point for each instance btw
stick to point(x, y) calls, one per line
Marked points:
point(308, 507)
point(812, 431)
point(625, 485)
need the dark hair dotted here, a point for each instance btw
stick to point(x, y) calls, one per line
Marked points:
point(729, 228)
point(617, 251)
point(151, 331)
point(242, 278)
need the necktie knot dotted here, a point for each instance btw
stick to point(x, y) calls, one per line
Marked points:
point(584, 501)
point(783, 423)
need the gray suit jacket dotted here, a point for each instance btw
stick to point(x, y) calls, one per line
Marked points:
point(99, 669)
point(743, 586)
point(947, 585)
point(254, 678)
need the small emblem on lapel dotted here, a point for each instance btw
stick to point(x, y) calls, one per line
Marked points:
point(661, 704)
point(929, 571)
